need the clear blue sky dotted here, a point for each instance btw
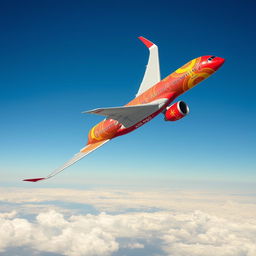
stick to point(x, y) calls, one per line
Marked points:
point(59, 58)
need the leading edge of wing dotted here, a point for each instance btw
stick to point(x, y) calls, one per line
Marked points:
point(121, 109)
point(129, 115)
point(83, 152)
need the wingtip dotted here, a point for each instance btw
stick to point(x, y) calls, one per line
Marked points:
point(34, 180)
point(145, 41)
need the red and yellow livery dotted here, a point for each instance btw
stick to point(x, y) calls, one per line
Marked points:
point(180, 81)
point(154, 97)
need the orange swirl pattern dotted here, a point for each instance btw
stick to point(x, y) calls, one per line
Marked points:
point(183, 79)
point(104, 130)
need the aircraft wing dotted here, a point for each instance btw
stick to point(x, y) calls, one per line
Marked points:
point(128, 115)
point(152, 73)
point(83, 152)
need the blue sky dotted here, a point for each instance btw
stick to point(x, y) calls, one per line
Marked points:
point(169, 188)
point(59, 58)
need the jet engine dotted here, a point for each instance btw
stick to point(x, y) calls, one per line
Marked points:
point(176, 111)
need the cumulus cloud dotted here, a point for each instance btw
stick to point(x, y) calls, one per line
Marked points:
point(201, 234)
point(14, 232)
point(134, 245)
point(169, 222)
point(230, 206)
point(8, 215)
point(178, 234)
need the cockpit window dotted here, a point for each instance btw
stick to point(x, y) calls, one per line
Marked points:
point(211, 58)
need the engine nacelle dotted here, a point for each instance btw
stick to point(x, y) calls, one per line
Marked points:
point(176, 111)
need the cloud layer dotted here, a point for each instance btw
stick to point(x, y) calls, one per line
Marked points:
point(173, 232)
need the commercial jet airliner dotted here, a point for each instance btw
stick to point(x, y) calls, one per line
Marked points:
point(153, 97)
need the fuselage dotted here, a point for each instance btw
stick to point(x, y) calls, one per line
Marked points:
point(180, 81)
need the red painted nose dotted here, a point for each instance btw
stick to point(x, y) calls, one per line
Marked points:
point(217, 62)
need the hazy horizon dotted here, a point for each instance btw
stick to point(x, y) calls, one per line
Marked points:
point(168, 188)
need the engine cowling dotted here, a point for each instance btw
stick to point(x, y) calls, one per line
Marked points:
point(176, 111)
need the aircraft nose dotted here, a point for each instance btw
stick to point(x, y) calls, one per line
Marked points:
point(217, 63)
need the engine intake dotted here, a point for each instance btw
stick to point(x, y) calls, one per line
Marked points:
point(176, 111)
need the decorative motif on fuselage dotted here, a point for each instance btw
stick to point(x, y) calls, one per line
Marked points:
point(187, 67)
point(191, 74)
point(197, 77)
point(104, 130)
point(173, 85)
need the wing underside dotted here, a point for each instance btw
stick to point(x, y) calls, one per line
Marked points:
point(129, 115)
point(83, 152)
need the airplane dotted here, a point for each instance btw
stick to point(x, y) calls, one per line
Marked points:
point(153, 97)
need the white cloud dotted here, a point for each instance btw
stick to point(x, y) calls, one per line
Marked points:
point(195, 234)
point(53, 233)
point(202, 234)
point(235, 207)
point(8, 215)
point(134, 246)
point(184, 223)
point(14, 232)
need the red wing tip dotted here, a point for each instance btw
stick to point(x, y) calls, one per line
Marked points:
point(34, 180)
point(145, 41)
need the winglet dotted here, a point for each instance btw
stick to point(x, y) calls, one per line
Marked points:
point(34, 180)
point(145, 41)
point(152, 73)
